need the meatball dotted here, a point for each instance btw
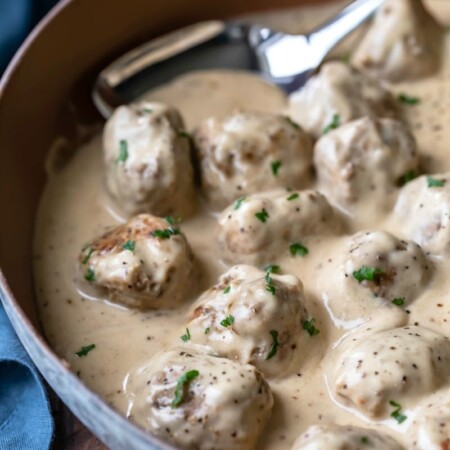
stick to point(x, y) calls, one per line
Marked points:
point(381, 373)
point(404, 42)
point(258, 228)
point(252, 317)
point(431, 426)
point(337, 95)
point(147, 158)
point(385, 266)
point(198, 401)
point(365, 157)
point(423, 212)
point(248, 152)
point(140, 264)
point(340, 437)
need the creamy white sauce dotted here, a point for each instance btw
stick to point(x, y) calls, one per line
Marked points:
point(75, 208)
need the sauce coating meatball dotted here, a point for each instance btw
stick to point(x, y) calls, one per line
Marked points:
point(340, 437)
point(403, 42)
point(198, 401)
point(259, 228)
point(140, 264)
point(423, 209)
point(430, 428)
point(386, 370)
point(248, 152)
point(147, 159)
point(365, 157)
point(252, 317)
point(337, 95)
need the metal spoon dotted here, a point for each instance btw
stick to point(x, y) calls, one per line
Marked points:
point(283, 59)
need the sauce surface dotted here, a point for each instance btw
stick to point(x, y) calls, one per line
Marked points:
point(75, 208)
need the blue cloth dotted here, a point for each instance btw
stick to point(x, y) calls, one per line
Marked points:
point(25, 417)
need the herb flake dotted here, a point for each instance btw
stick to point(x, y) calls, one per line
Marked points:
point(262, 215)
point(310, 328)
point(187, 336)
point(227, 290)
point(228, 321)
point(123, 151)
point(88, 256)
point(408, 99)
point(184, 380)
point(293, 196)
point(409, 176)
point(368, 274)
point(335, 123)
point(166, 234)
point(293, 123)
point(433, 182)
point(275, 344)
point(298, 249)
point(276, 165)
point(238, 203)
point(397, 413)
point(129, 245)
point(399, 301)
point(85, 350)
point(89, 275)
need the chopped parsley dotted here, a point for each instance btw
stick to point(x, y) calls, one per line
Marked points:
point(227, 290)
point(166, 234)
point(228, 321)
point(207, 330)
point(85, 350)
point(187, 336)
point(89, 275)
point(184, 134)
point(397, 413)
point(262, 215)
point(238, 203)
point(292, 197)
point(88, 256)
point(433, 182)
point(275, 167)
point(272, 268)
point(309, 327)
point(409, 176)
point(335, 123)
point(298, 249)
point(399, 301)
point(181, 383)
point(408, 99)
point(294, 124)
point(171, 220)
point(367, 274)
point(275, 344)
point(365, 440)
point(129, 245)
point(123, 151)
point(270, 287)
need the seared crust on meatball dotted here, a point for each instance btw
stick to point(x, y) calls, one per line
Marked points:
point(140, 264)
point(388, 368)
point(198, 401)
point(147, 158)
point(259, 228)
point(337, 95)
point(423, 209)
point(252, 317)
point(365, 157)
point(403, 43)
point(344, 437)
point(248, 152)
point(430, 428)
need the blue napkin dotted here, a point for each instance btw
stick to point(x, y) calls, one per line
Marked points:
point(25, 418)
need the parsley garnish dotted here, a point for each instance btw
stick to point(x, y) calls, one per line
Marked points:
point(292, 197)
point(181, 383)
point(227, 289)
point(308, 326)
point(166, 234)
point(89, 275)
point(433, 182)
point(187, 336)
point(207, 330)
point(408, 99)
point(298, 249)
point(228, 321)
point(294, 124)
point(129, 245)
point(275, 167)
point(397, 414)
point(172, 221)
point(123, 151)
point(275, 344)
point(88, 256)
point(399, 301)
point(368, 274)
point(238, 203)
point(270, 287)
point(409, 176)
point(85, 350)
point(272, 268)
point(335, 123)
point(184, 134)
point(262, 215)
